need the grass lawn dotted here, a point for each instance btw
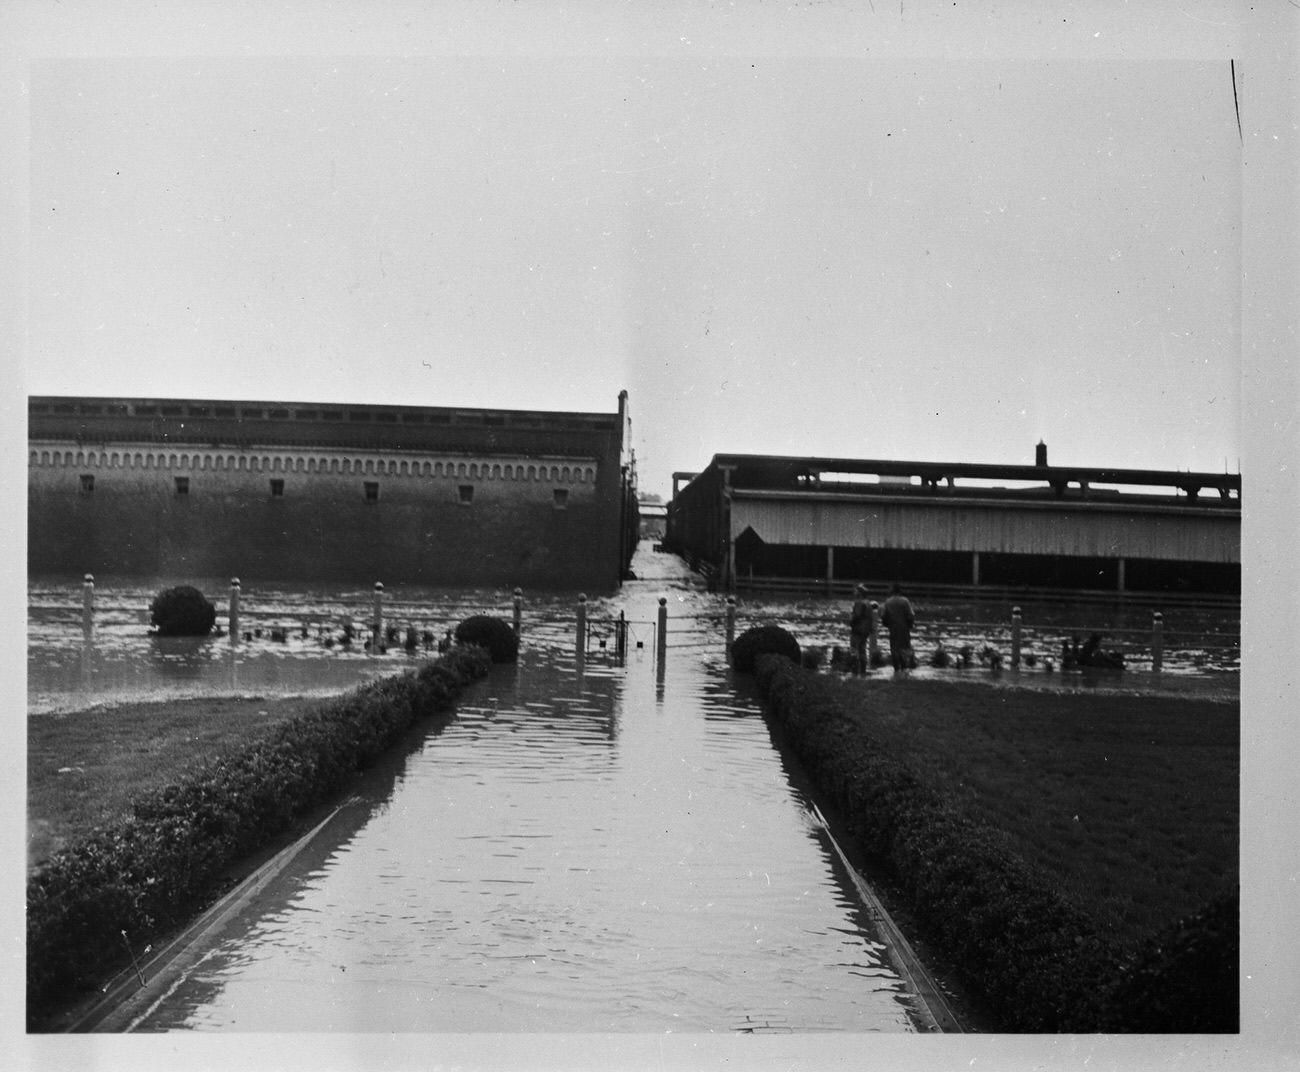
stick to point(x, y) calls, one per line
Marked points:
point(1131, 801)
point(84, 767)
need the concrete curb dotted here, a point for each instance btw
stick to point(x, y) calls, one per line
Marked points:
point(933, 1011)
point(127, 1001)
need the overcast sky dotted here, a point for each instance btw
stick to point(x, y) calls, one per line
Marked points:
point(903, 257)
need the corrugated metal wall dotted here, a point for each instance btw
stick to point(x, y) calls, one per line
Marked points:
point(1178, 533)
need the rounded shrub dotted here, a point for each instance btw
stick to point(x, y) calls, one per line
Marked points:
point(182, 611)
point(762, 640)
point(496, 635)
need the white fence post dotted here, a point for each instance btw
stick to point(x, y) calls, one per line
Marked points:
point(234, 610)
point(581, 639)
point(88, 604)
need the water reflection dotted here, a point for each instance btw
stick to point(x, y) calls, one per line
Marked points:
point(588, 847)
point(71, 662)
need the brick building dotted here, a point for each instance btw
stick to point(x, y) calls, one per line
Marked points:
point(186, 488)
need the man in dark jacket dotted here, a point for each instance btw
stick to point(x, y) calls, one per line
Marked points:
point(898, 617)
point(862, 624)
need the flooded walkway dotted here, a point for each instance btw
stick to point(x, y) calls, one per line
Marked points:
point(588, 847)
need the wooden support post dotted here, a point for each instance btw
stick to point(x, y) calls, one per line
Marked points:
point(519, 610)
point(580, 640)
point(731, 624)
point(1157, 641)
point(1015, 638)
point(662, 631)
point(234, 610)
point(377, 644)
point(830, 570)
point(88, 604)
point(873, 642)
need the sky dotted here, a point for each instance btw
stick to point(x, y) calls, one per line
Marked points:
point(905, 257)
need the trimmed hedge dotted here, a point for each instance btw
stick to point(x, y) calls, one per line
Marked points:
point(1186, 979)
point(148, 873)
point(763, 640)
point(494, 634)
point(182, 611)
point(1040, 964)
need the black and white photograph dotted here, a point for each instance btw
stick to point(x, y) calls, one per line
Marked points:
point(721, 535)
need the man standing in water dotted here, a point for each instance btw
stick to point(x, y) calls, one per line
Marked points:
point(898, 617)
point(862, 624)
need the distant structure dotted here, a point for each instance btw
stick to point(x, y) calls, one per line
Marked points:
point(654, 518)
point(297, 491)
point(760, 521)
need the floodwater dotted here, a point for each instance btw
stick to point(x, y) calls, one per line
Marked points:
point(590, 845)
point(587, 847)
point(70, 668)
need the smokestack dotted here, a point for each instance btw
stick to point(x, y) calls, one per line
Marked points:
point(1040, 454)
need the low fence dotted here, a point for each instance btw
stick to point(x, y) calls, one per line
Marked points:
point(1017, 639)
point(381, 622)
point(985, 593)
point(1013, 640)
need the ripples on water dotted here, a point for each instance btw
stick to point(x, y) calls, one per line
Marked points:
point(587, 848)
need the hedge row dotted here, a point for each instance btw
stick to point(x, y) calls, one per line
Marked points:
point(1040, 964)
point(149, 872)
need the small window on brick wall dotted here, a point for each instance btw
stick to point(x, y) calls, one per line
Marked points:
point(277, 489)
point(561, 498)
point(372, 491)
point(87, 483)
point(466, 493)
point(182, 485)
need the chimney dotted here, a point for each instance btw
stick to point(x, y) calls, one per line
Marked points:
point(1040, 454)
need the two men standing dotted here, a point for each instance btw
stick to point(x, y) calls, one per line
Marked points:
point(897, 616)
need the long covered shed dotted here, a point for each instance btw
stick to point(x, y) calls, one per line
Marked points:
point(764, 521)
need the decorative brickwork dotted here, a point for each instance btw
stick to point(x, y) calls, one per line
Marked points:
point(299, 491)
